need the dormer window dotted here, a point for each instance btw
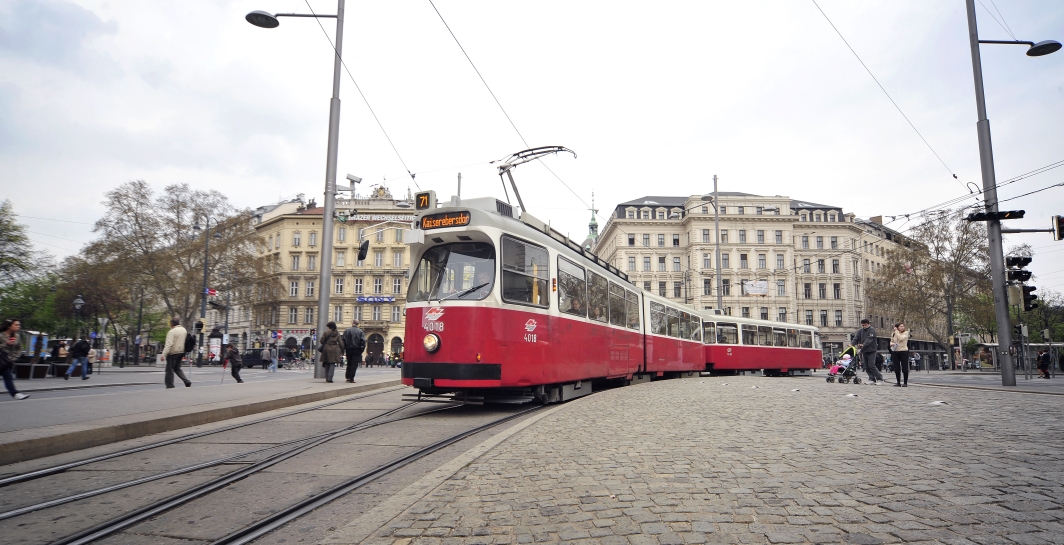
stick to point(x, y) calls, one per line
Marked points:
point(629, 213)
point(645, 214)
point(660, 214)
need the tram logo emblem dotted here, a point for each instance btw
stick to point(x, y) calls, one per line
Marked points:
point(530, 325)
point(433, 314)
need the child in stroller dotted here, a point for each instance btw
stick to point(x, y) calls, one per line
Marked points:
point(845, 369)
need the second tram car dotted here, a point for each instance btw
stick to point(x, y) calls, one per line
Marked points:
point(511, 309)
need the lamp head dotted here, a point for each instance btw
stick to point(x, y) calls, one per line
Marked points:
point(196, 226)
point(1044, 47)
point(262, 19)
point(707, 197)
point(354, 179)
point(403, 204)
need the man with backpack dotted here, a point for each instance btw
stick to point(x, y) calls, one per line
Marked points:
point(354, 342)
point(79, 358)
point(178, 343)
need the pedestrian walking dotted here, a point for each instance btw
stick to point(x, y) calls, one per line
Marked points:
point(235, 362)
point(9, 352)
point(174, 350)
point(354, 343)
point(59, 352)
point(264, 358)
point(899, 344)
point(865, 341)
point(273, 358)
point(79, 358)
point(1043, 363)
point(332, 348)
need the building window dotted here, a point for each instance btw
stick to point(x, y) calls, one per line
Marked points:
point(723, 236)
point(705, 235)
point(762, 261)
point(379, 235)
point(723, 210)
point(645, 214)
point(341, 259)
point(746, 310)
point(339, 286)
point(675, 240)
point(808, 290)
point(378, 259)
point(805, 266)
point(646, 285)
point(676, 264)
point(779, 261)
point(834, 266)
point(782, 316)
point(661, 289)
point(808, 317)
point(295, 263)
point(742, 210)
point(764, 313)
point(377, 312)
point(308, 315)
point(781, 287)
point(816, 216)
point(646, 241)
point(724, 261)
point(661, 263)
point(269, 243)
point(397, 314)
point(743, 263)
point(707, 286)
point(820, 266)
point(646, 265)
point(313, 239)
point(358, 286)
point(312, 262)
point(837, 290)
point(378, 286)
point(295, 239)
point(779, 237)
point(705, 209)
point(397, 259)
point(338, 313)
point(838, 318)
point(676, 290)
point(341, 235)
point(823, 318)
point(310, 288)
point(822, 289)
point(293, 315)
point(661, 240)
point(398, 235)
point(805, 242)
point(831, 217)
point(760, 236)
point(820, 243)
point(631, 240)
point(760, 210)
point(631, 263)
point(293, 288)
point(803, 217)
point(742, 236)
point(630, 214)
point(834, 243)
point(706, 261)
point(397, 285)
point(725, 287)
point(661, 214)
point(357, 313)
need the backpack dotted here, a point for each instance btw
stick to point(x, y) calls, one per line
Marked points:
point(190, 342)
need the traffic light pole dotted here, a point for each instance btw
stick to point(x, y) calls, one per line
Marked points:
point(993, 226)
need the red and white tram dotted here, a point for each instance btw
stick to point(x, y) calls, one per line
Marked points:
point(511, 309)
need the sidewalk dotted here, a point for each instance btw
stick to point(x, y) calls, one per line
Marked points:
point(43, 426)
point(749, 460)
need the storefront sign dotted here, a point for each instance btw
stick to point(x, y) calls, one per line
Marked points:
point(376, 299)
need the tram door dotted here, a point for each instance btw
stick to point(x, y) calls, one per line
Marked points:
point(375, 349)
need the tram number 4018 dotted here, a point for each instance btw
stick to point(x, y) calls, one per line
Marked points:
point(530, 337)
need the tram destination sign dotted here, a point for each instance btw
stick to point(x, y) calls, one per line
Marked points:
point(448, 219)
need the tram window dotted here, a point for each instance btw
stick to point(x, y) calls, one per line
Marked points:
point(728, 333)
point(685, 325)
point(632, 308)
point(709, 332)
point(792, 338)
point(657, 318)
point(525, 270)
point(463, 271)
point(598, 297)
point(805, 339)
point(572, 288)
point(779, 336)
point(673, 317)
point(695, 329)
point(616, 305)
point(764, 335)
point(750, 335)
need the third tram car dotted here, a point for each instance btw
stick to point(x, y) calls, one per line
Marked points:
point(509, 309)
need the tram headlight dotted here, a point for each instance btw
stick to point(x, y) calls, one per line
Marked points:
point(431, 342)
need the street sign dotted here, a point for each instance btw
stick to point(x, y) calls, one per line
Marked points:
point(92, 334)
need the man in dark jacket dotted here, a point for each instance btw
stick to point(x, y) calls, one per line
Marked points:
point(865, 341)
point(354, 344)
point(79, 357)
point(235, 362)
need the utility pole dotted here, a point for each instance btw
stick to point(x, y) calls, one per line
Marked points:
point(716, 227)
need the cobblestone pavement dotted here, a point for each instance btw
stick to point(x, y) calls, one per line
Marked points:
point(750, 460)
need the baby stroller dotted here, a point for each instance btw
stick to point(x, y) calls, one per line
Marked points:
point(845, 370)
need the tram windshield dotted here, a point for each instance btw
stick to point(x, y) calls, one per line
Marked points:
point(463, 271)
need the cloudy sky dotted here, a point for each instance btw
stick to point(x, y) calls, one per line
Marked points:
point(655, 98)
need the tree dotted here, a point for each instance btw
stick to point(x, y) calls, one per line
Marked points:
point(941, 271)
point(16, 255)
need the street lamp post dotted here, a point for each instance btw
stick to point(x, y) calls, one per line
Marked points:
point(266, 20)
point(78, 303)
point(203, 294)
point(986, 160)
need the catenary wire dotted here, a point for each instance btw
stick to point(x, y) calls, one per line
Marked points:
point(1004, 26)
point(363, 95)
point(53, 219)
point(881, 88)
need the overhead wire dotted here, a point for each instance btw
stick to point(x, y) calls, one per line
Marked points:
point(54, 219)
point(1000, 23)
point(363, 95)
point(881, 88)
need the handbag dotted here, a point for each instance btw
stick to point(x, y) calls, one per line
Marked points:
point(893, 347)
point(5, 361)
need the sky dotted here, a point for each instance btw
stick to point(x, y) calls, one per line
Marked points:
point(654, 98)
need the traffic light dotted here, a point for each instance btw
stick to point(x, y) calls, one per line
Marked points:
point(199, 327)
point(1029, 298)
point(1018, 262)
point(987, 216)
point(363, 250)
point(1018, 332)
point(1019, 275)
point(1058, 227)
